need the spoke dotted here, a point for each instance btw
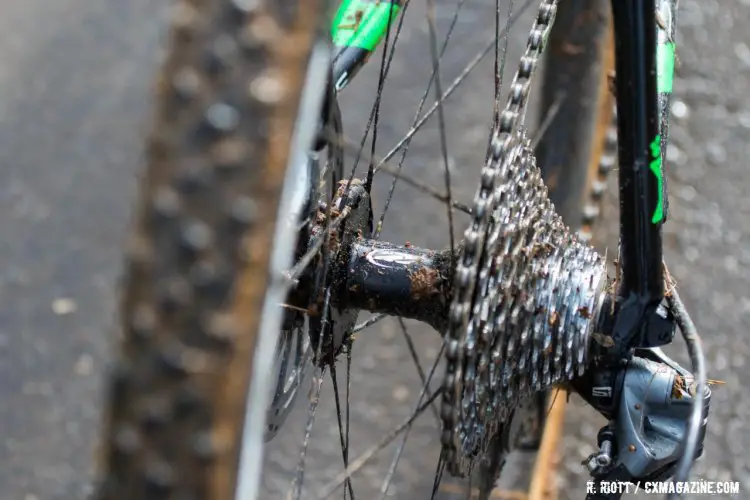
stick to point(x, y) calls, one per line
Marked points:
point(301, 357)
point(500, 66)
point(462, 207)
point(548, 117)
point(415, 358)
point(344, 446)
point(365, 457)
point(461, 77)
point(294, 273)
point(419, 186)
point(349, 345)
point(369, 322)
point(438, 474)
point(295, 492)
point(411, 181)
point(378, 100)
point(400, 450)
point(441, 121)
point(422, 102)
point(383, 74)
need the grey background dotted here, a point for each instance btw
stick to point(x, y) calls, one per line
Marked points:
point(74, 90)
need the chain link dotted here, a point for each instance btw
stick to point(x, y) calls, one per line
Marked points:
point(526, 291)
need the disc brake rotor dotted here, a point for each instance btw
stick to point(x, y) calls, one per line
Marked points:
point(331, 322)
point(316, 328)
point(293, 358)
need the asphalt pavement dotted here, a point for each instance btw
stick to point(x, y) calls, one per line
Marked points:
point(74, 97)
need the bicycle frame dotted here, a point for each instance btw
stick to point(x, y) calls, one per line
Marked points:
point(642, 125)
point(638, 128)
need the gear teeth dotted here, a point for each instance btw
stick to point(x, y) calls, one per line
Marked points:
point(527, 292)
point(533, 304)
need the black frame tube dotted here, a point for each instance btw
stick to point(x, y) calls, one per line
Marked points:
point(638, 128)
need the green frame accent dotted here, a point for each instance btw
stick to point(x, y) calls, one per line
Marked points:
point(362, 23)
point(664, 66)
point(655, 167)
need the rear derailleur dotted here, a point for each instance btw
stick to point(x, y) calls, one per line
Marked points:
point(648, 401)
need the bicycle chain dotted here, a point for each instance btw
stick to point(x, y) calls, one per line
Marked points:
point(526, 291)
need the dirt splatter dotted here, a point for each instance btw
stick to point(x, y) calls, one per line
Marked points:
point(603, 340)
point(554, 319)
point(679, 387)
point(424, 282)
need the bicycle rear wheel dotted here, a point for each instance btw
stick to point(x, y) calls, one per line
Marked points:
point(197, 278)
